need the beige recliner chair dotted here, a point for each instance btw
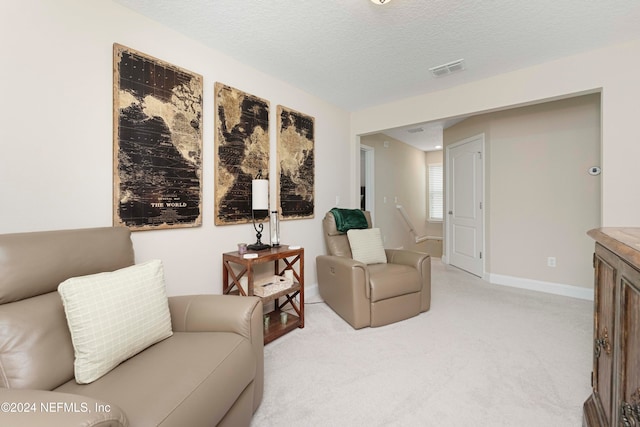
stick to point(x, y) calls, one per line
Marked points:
point(374, 294)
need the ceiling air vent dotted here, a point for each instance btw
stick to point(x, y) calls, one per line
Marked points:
point(448, 68)
point(415, 130)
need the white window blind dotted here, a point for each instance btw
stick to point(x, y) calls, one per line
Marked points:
point(436, 197)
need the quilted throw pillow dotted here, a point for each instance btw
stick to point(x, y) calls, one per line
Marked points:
point(113, 316)
point(366, 246)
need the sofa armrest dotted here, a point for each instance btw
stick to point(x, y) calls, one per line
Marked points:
point(343, 271)
point(344, 285)
point(224, 313)
point(421, 262)
point(40, 408)
point(411, 258)
point(214, 313)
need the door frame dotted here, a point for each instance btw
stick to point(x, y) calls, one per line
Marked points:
point(447, 203)
point(369, 179)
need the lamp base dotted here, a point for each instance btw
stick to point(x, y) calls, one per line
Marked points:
point(258, 247)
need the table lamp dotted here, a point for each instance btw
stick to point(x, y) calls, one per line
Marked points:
point(260, 208)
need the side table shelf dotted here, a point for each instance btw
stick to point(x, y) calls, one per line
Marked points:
point(283, 259)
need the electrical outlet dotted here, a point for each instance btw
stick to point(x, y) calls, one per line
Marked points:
point(337, 200)
point(551, 261)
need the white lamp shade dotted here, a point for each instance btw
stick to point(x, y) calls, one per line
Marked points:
point(260, 194)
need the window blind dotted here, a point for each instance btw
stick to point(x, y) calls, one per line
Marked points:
point(436, 196)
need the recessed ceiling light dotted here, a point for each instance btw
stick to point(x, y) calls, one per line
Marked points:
point(438, 146)
point(379, 2)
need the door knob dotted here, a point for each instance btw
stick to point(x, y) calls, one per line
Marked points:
point(450, 212)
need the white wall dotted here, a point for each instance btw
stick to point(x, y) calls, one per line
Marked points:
point(400, 172)
point(612, 69)
point(581, 74)
point(540, 199)
point(56, 124)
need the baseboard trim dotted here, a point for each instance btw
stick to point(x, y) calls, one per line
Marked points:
point(311, 292)
point(541, 286)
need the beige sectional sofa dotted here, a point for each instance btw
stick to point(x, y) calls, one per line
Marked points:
point(208, 371)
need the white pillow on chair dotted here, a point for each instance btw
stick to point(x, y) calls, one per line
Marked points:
point(366, 246)
point(113, 316)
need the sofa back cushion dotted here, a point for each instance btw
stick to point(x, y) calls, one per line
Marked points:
point(36, 263)
point(35, 344)
point(337, 241)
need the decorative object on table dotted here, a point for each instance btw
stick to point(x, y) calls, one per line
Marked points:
point(242, 248)
point(259, 208)
point(157, 143)
point(296, 164)
point(283, 317)
point(267, 320)
point(274, 228)
point(241, 150)
point(270, 285)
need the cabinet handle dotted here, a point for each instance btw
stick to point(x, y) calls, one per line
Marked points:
point(602, 343)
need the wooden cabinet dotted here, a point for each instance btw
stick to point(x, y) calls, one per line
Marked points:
point(235, 267)
point(615, 400)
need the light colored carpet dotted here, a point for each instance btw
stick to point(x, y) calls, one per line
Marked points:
point(484, 355)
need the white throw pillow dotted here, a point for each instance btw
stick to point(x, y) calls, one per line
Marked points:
point(366, 246)
point(113, 316)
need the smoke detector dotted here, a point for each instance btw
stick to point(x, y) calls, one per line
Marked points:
point(448, 68)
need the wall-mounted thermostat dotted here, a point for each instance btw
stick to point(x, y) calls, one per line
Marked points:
point(594, 170)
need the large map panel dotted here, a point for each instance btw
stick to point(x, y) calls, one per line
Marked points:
point(242, 151)
point(157, 143)
point(296, 164)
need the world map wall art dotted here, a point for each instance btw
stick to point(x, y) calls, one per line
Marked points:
point(157, 142)
point(296, 164)
point(241, 151)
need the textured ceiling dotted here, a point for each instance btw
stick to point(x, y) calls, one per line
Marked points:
point(355, 54)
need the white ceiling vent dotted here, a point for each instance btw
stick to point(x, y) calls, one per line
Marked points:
point(448, 68)
point(415, 130)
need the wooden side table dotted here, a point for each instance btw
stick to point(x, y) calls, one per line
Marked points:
point(283, 259)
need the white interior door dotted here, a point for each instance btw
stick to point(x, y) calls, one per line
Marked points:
point(465, 223)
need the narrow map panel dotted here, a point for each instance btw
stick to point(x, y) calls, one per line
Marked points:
point(296, 164)
point(157, 143)
point(242, 151)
